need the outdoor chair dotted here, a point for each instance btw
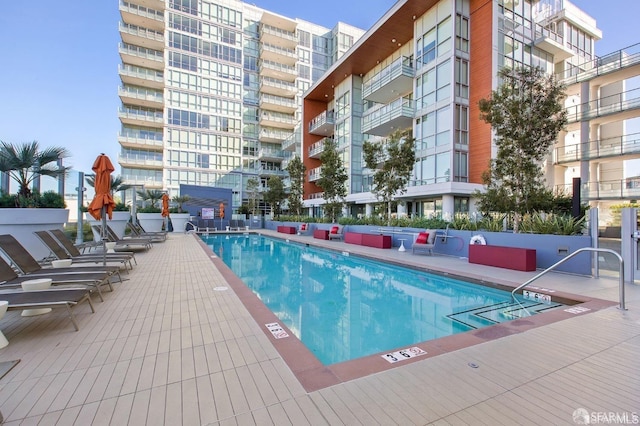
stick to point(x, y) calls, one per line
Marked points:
point(123, 243)
point(50, 298)
point(335, 233)
point(425, 242)
point(304, 229)
point(60, 253)
point(73, 251)
point(11, 280)
point(138, 232)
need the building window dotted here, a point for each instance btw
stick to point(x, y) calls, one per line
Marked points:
point(461, 167)
point(462, 125)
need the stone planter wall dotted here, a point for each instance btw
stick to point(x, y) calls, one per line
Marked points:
point(21, 223)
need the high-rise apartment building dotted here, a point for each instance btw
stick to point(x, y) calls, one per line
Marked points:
point(212, 90)
point(425, 65)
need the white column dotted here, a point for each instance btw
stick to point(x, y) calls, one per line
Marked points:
point(368, 209)
point(447, 207)
point(402, 210)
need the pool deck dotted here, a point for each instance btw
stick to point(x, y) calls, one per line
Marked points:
point(172, 346)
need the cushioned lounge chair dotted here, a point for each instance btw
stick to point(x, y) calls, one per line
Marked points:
point(73, 251)
point(335, 233)
point(93, 259)
point(50, 298)
point(425, 242)
point(304, 229)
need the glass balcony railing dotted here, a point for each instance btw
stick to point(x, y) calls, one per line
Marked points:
point(620, 189)
point(401, 110)
point(602, 65)
point(322, 120)
point(592, 150)
point(606, 105)
point(400, 67)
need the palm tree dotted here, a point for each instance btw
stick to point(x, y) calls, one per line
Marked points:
point(151, 195)
point(117, 184)
point(25, 163)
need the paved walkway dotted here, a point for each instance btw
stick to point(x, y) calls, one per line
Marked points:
point(167, 347)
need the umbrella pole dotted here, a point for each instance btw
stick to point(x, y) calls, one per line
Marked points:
point(104, 236)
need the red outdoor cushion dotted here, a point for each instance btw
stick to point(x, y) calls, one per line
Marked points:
point(423, 237)
point(334, 230)
point(303, 227)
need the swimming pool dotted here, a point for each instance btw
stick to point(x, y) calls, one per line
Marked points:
point(346, 307)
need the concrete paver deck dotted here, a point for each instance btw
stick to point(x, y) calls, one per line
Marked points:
point(169, 346)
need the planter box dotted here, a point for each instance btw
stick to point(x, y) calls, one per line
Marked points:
point(22, 223)
point(179, 221)
point(151, 222)
point(321, 234)
point(118, 223)
point(520, 259)
point(369, 240)
point(287, 229)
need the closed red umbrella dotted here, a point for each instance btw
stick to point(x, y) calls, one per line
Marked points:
point(102, 202)
point(165, 205)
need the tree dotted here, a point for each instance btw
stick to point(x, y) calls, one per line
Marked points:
point(333, 177)
point(526, 115)
point(152, 196)
point(253, 192)
point(25, 163)
point(393, 161)
point(296, 171)
point(275, 194)
point(117, 184)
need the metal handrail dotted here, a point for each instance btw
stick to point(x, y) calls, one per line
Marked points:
point(592, 249)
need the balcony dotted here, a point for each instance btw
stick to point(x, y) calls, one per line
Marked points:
point(316, 150)
point(145, 183)
point(624, 105)
point(267, 154)
point(628, 146)
point(278, 71)
point(323, 124)
point(624, 62)
point(269, 52)
point(141, 56)
point(292, 143)
point(390, 82)
point(265, 170)
point(277, 87)
point(278, 103)
point(551, 42)
point(141, 141)
point(278, 36)
point(383, 121)
point(137, 117)
point(139, 162)
point(314, 174)
point(623, 189)
point(277, 119)
point(316, 196)
point(137, 36)
point(273, 135)
point(141, 97)
point(148, 78)
point(141, 16)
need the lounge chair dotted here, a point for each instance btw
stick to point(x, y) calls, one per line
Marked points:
point(335, 233)
point(138, 232)
point(50, 298)
point(126, 243)
point(425, 242)
point(73, 251)
point(93, 259)
point(11, 280)
point(203, 226)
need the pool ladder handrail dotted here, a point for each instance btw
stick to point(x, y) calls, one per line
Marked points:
point(591, 249)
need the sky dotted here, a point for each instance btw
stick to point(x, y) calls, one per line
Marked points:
point(59, 68)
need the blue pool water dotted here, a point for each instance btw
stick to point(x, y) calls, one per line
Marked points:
point(345, 307)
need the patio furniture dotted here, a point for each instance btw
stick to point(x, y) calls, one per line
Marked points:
point(425, 242)
point(60, 253)
point(73, 251)
point(335, 233)
point(50, 298)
